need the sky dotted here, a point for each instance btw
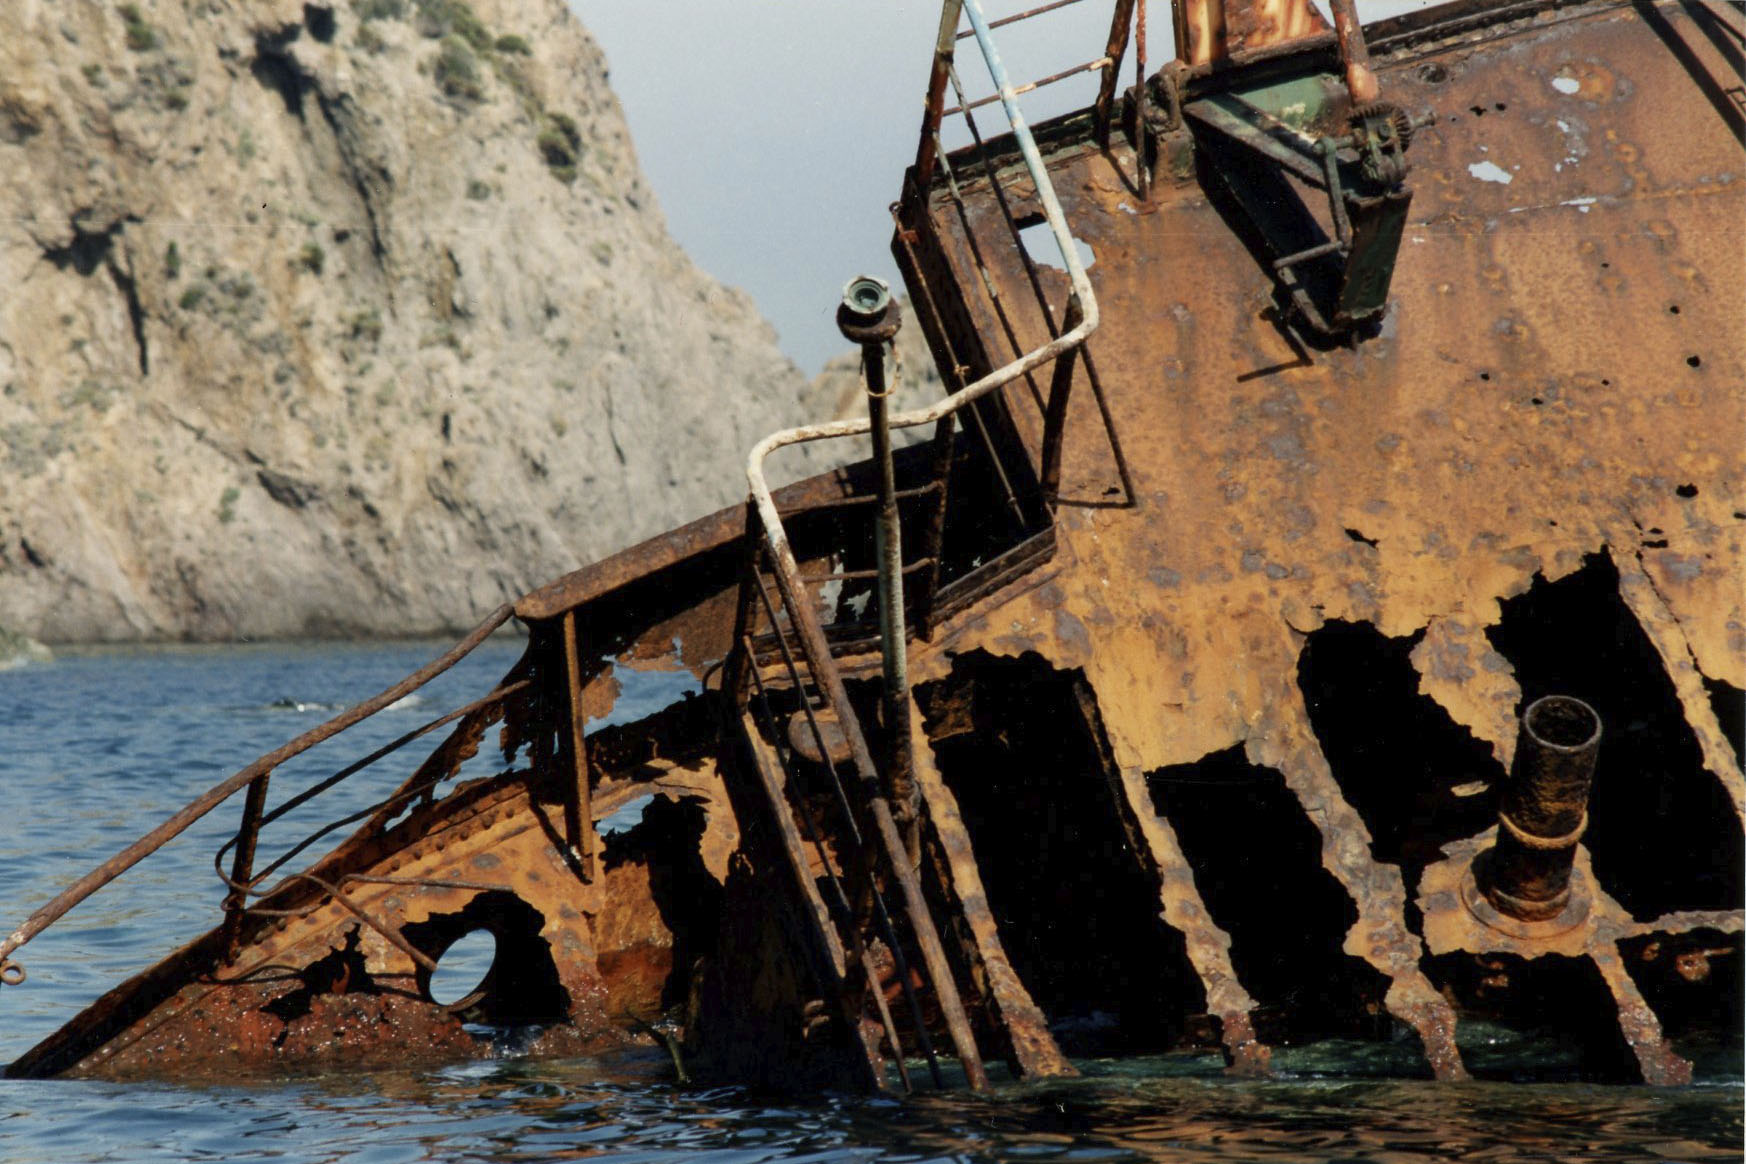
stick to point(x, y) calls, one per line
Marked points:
point(775, 132)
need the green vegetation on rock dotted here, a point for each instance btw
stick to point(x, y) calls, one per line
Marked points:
point(560, 144)
point(445, 18)
point(141, 37)
point(457, 70)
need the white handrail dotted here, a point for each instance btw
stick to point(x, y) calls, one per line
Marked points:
point(1052, 214)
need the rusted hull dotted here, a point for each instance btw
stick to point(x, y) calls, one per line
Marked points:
point(1221, 641)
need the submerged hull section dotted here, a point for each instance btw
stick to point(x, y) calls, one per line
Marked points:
point(1218, 632)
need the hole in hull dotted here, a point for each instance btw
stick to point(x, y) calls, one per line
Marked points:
point(1662, 831)
point(521, 984)
point(1257, 863)
point(1039, 243)
point(1397, 756)
point(463, 968)
point(1077, 910)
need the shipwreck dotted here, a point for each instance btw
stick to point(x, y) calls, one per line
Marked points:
point(1314, 611)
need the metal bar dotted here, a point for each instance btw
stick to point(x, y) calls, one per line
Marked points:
point(1099, 63)
point(1032, 276)
point(841, 794)
point(740, 662)
point(1242, 124)
point(579, 803)
point(893, 617)
point(1354, 53)
point(830, 683)
point(993, 292)
point(945, 44)
point(851, 575)
point(858, 947)
point(933, 535)
point(1055, 419)
point(888, 932)
point(1018, 16)
point(1109, 425)
point(494, 696)
point(91, 882)
point(989, 286)
point(1142, 171)
point(389, 933)
point(241, 869)
point(858, 499)
point(1116, 50)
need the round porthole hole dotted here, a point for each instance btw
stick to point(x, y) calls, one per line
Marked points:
point(459, 977)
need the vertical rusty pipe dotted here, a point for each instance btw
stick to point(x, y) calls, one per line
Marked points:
point(1360, 78)
point(1544, 810)
point(870, 317)
point(242, 866)
point(1179, 28)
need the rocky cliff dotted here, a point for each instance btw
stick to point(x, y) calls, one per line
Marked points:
point(353, 317)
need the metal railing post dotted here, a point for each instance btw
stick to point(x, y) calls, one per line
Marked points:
point(1114, 52)
point(1360, 77)
point(868, 316)
point(1055, 416)
point(242, 865)
point(944, 46)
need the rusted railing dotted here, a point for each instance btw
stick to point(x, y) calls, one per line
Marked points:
point(792, 658)
point(242, 880)
point(866, 836)
point(1082, 303)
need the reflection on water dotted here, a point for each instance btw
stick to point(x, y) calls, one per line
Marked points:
point(97, 747)
point(1139, 1111)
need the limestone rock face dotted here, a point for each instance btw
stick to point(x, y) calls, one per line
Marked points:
point(348, 317)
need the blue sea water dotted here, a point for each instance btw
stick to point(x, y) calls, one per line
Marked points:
point(98, 746)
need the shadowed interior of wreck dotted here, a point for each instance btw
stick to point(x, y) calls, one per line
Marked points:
point(1257, 860)
point(666, 874)
point(1550, 996)
point(1419, 779)
point(1729, 704)
point(1076, 910)
point(1662, 831)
